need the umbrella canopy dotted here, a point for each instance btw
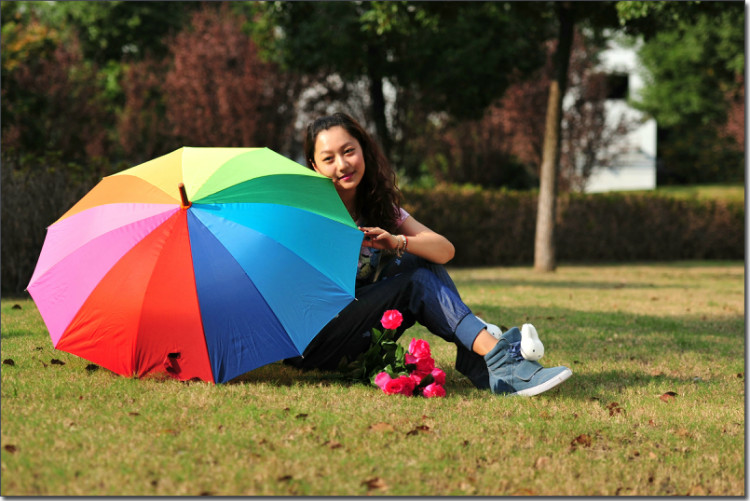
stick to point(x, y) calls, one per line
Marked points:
point(205, 262)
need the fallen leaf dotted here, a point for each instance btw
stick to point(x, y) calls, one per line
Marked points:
point(17, 307)
point(332, 444)
point(651, 422)
point(467, 487)
point(9, 361)
point(10, 448)
point(697, 490)
point(205, 493)
point(301, 416)
point(375, 483)
point(614, 408)
point(583, 440)
point(381, 427)
point(92, 367)
point(541, 462)
point(740, 375)
point(652, 455)
point(423, 428)
point(285, 478)
point(134, 414)
point(668, 396)
point(55, 361)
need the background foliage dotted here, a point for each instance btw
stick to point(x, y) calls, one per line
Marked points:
point(456, 92)
point(489, 227)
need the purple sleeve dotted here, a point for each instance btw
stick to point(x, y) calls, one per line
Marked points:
point(402, 215)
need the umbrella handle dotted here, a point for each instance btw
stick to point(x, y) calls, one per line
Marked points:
point(183, 196)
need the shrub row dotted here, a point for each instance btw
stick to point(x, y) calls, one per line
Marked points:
point(35, 193)
point(495, 227)
point(488, 227)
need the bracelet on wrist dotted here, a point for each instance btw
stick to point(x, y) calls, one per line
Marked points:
point(401, 246)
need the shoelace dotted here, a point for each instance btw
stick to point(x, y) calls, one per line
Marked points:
point(515, 351)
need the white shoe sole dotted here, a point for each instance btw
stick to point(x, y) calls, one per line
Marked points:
point(547, 385)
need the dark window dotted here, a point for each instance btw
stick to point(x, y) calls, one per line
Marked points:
point(617, 86)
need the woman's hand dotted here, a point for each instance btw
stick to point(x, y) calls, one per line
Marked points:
point(378, 238)
point(422, 241)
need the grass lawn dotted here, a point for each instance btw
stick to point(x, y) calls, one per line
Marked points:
point(656, 406)
point(726, 192)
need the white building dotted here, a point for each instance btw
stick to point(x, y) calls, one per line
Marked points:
point(634, 159)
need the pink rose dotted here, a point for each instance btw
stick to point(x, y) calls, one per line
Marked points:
point(439, 376)
point(382, 379)
point(417, 378)
point(424, 366)
point(391, 319)
point(433, 390)
point(402, 384)
point(419, 348)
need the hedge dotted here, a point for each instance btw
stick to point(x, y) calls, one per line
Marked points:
point(495, 227)
point(488, 227)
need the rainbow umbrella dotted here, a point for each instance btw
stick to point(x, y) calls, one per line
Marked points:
point(205, 262)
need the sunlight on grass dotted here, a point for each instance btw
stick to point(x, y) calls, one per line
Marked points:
point(725, 192)
point(655, 406)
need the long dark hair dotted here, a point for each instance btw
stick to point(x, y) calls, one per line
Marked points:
point(378, 196)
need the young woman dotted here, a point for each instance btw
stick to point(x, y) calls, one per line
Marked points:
point(401, 267)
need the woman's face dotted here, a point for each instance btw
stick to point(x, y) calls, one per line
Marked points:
point(339, 156)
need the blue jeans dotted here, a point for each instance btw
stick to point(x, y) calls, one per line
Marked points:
point(423, 292)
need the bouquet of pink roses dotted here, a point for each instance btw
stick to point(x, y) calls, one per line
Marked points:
point(395, 370)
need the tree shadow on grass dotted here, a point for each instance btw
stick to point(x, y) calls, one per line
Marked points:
point(568, 284)
point(610, 385)
point(286, 375)
point(687, 331)
point(637, 344)
point(11, 333)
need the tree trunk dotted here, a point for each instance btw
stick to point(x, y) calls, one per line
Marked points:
point(377, 99)
point(544, 244)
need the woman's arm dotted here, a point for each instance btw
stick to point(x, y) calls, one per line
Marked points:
point(422, 241)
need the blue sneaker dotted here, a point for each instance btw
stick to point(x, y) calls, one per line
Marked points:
point(511, 374)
